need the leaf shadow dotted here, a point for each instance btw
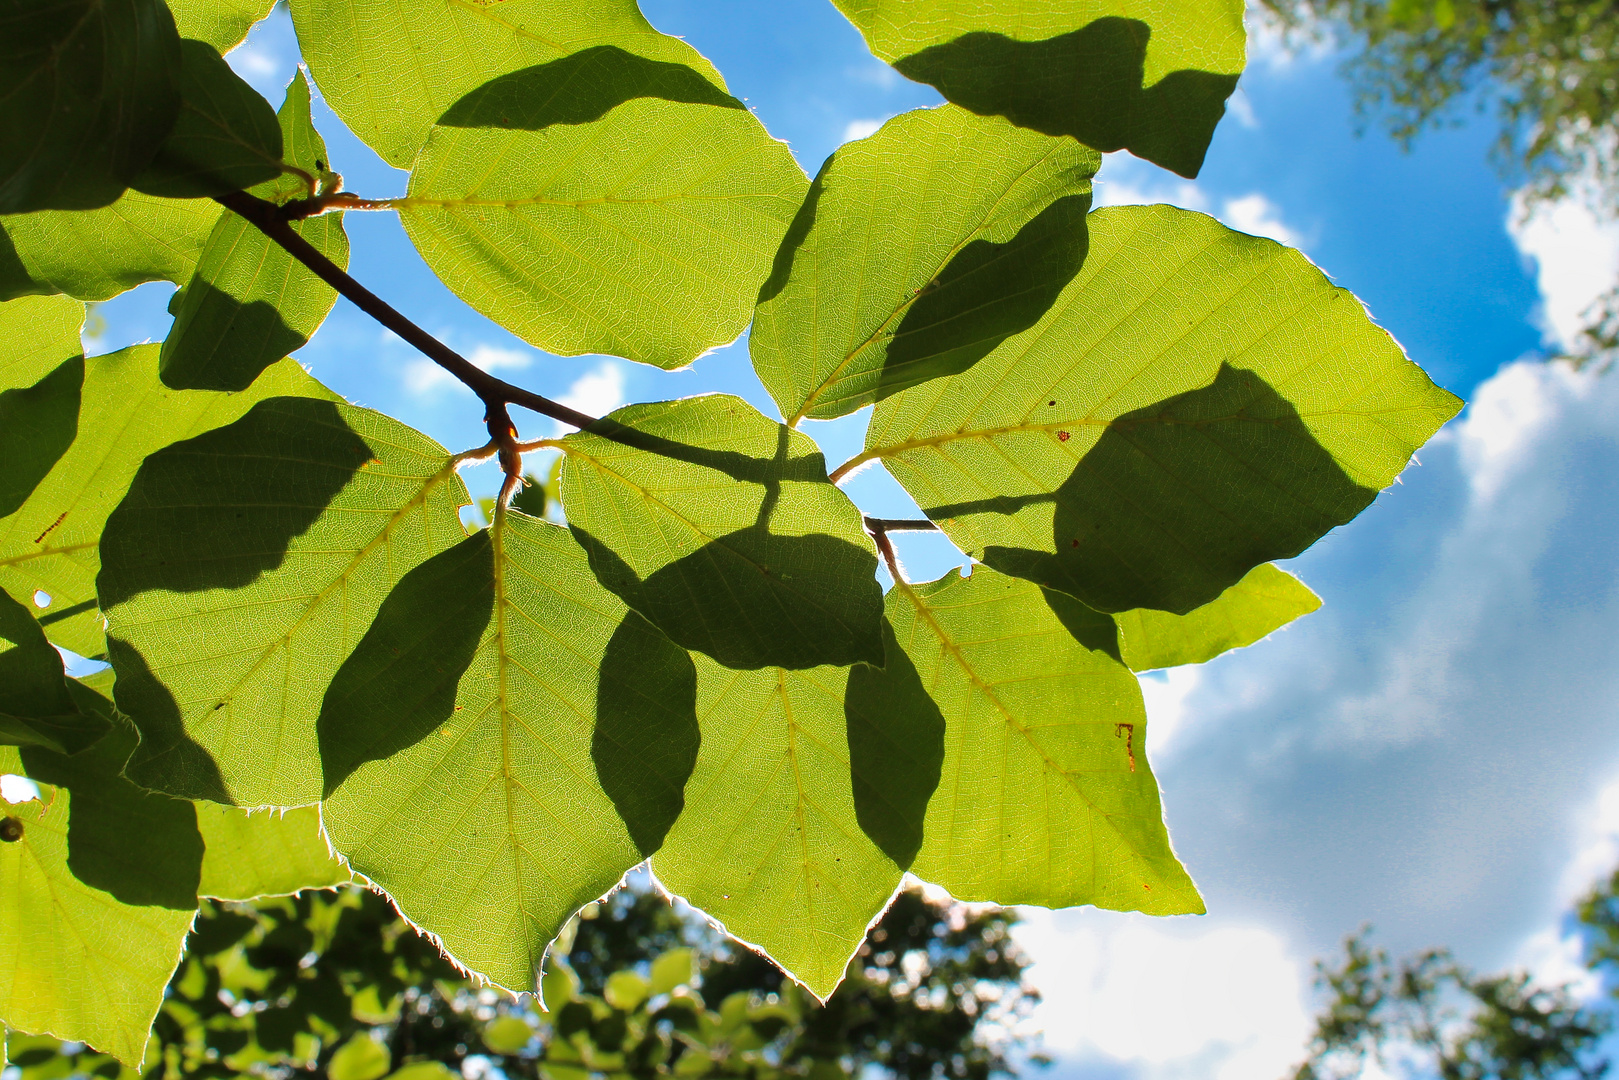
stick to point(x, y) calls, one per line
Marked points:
point(218, 510)
point(168, 758)
point(220, 343)
point(1087, 84)
point(37, 425)
point(896, 751)
point(580, 88)
point(1228, 474)
point(142, 847)
point(645, 740)
point(399, 684)
point(985, 294)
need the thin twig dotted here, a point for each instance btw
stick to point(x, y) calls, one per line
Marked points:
point(495, 393)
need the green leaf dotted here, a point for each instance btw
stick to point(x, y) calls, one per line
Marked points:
point(1197, 402)
point(918, 251)
point(97, 254)
point(88, 93)
point(1069, 814)
point(221, 23)
point(353, 49)
point(268, 853)
point(250, 303)
point(36, 336)
point(625, 990)
point(1265, 600)
point(225, 138)
point(37, 425)
point(361, 1058)
point(272, 541)
point(99, 896)
point(507, 1034)
point(49, 545)
point(677, 967)
point(464, 736)
point(720, 527)
point(36, 708)
point(542, 200)
point(1148, 76)
point(770, 844)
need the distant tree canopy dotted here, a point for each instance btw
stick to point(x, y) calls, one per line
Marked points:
point(1428, 1016)
point(335, 984)
point(1549, 69)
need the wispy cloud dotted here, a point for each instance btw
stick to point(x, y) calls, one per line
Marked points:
point(424, 378)
point(1576, 254)
point(597, 392)
point(860, 129)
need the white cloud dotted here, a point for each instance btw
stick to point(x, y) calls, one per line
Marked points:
point(424, 377)
point(1256, 214)
point(597, 392)
point(1226, 1002)
point(1241, 108)
point(1576, 252)
point(860, 129)
point(1166, 693)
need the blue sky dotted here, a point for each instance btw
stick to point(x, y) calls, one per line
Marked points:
point(1435, 751)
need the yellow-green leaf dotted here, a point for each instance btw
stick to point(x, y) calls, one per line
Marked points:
point(1266, 599)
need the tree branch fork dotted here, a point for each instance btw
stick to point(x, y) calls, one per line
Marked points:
point(275, 221)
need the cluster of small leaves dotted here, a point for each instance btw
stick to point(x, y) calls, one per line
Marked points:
point(336, 984)
point(1121, 417)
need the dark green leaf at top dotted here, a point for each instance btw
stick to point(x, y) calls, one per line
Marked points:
point(1143, 76)
point(37, 425)
point(225, 139)
point(917, 252)
point(36, 705)
point(87, 93)
point(250, 303)
point(720, 527)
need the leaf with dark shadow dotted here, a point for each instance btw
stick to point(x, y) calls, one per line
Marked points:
point(1087, 84)
point(218, 510)
point(141, 847)
point(896, 749)
point(646, 739)
point(399, 683)
point(37, 707)
point(580, 88)
point(37, 425)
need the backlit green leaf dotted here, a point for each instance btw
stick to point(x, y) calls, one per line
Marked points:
point(37, 334)
point(1148, 76)
point(250, 303)
point(719, 526)
point(221, 23)
point(1197, 402)
point(225, 138)
point(1068, 812)
point(97, 254)
point(353, 49)
point(1267, 599)
point(49, 545)
point(604, 203)
point(479, 738)
point(87, 92)
point(240, 569)
point(265, 853)
point(769, 844)
point(99, 894)
point(918, 251)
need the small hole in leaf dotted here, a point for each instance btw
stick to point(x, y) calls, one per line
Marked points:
point(16, 789)
point(42, 599)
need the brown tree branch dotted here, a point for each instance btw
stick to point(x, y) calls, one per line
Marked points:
point(496, 394)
